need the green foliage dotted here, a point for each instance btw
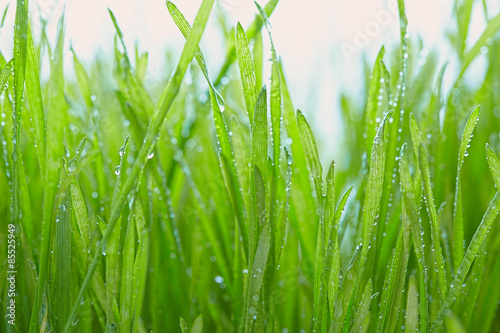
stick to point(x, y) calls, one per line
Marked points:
point(209, 205)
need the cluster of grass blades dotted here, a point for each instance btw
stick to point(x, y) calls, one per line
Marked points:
point(150, 220)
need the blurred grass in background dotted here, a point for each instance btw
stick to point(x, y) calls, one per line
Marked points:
point(139, 208)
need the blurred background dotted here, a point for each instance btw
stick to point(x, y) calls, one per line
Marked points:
point(325, 45)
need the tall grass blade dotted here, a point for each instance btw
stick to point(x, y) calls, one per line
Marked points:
point(458, 228)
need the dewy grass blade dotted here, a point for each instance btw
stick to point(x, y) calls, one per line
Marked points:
point(185, 29)
point(56, 118)
point(5, 75)
point(374, 100)
point(62, 257)
point(140, 265)
point(20, 46)
point(410, 204)
point(152, 134)
point(259, 160)
point(471, 253)
point(494, 164)
point(302, 202)
point(411, 321)
point(312, 157)
point(435, 230)
point(362, 317)
point(458, 227)
point(258, 268)
point(490, 31)
point(374, 188)
point(275, 116)
point(126, 279)
point(247, 70)
point(35, 100)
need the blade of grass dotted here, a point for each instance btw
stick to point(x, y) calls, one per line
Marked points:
point(411, 321)
point(474, 246)
point(431, 210)
point(247, 70)
point(458, 227)
point(362, 317)
point(5, 75)
point(257, 272)
point(374, 188)
point(35, 100)
point(55, 123)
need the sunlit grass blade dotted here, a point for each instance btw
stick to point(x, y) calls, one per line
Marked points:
point(473, 249)
point(254, 316)
point(5, 75)
point(410, 204)
point(363, 316)
point(411, 321)
point(247, 70)
point(374, 188)
point(140, 269)
point(185, 29)
point(302, 202)
point(434, 222)
point(259, 160)
point(453, 324)
point(126, 279)
point(395, 280)
point(35, 100)
point(494, 164)
point(312, 157)
point(55, 123)
point(458, 228)
point(346, 293)
point(374, 103)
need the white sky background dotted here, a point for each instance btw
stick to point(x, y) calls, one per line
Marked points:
point(308, 35)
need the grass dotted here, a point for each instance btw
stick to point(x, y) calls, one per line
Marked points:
point(131, 214)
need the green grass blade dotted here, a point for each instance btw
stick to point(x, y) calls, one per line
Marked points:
point(374, 188)
point(312, 157)
point(435, 230)
point(254, 314)
point(5, 75)
point(458, 228)
point(453, 324)
point(494, 164)
point(362, 317)
point(411, 321)
point(374, 104)
point(185, 29)
point(473, 249)
point(55, 123)
point(35, 100)
point(126, 279)
point(259, 160)
point(488, 33)
point(410, 204)
point(247, 70)
point(198, 325)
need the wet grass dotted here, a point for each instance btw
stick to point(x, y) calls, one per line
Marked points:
point(203, 205)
